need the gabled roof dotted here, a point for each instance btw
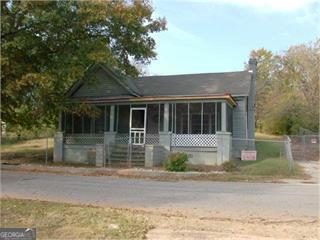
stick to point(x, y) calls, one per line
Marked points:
point(125, 82)
point(234, 83)
point(187, 86)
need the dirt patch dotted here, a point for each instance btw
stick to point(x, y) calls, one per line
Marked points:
point(313, 169)
point(189, 227)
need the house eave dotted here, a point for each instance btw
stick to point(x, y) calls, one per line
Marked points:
point(127, 99)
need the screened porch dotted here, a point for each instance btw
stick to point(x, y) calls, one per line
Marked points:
point(189, 123)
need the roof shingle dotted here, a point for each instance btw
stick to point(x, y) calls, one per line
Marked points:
point(234, 83)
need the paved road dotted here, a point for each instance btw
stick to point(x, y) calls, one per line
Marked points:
point(224, 198)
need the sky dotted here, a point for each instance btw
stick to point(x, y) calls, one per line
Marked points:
point(218, 35)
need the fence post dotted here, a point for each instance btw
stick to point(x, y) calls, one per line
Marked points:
point(58, 147)
point(108, 137)
point(108, 152)
point(304, 147)
point(47, 148)
point(99, 155)
point(129, 154)
point(289, 153)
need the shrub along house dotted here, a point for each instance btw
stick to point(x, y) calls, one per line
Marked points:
point(141, 120)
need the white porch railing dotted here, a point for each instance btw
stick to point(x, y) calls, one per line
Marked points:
point(193, 140)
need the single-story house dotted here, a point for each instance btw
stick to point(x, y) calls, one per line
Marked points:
point(141, 120)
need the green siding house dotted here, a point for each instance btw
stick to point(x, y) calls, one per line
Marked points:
point(142, 120)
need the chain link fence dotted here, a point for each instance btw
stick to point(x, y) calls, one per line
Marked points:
point(305, 147)
point(271, 155)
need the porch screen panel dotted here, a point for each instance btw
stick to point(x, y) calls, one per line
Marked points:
point(161, 117)
point(209, 124)
point(195, 118)
point(107, 119)
point(123, 121)
point(69, 123)
point(115, 123)
point(63, 122)
point(182, 118)
point(77, 123)
point(219, 116)
point(229, 119)
point(99, 120)
point(170, 117)
point(153, 119)
point(86, 124)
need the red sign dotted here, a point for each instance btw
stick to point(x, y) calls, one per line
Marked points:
point(247, 155)
point(313, 140)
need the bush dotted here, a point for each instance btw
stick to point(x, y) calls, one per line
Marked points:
point(230, 166)
point(176, 162)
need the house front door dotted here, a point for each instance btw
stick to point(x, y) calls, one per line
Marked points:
point(137, 125)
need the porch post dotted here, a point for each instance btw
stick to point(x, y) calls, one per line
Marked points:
point(166, 118)
point(111, 122)
point(223, 117)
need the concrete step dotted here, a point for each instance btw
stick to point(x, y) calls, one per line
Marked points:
point(118, 153)
point(126, 146)
point(125, 164)
point(126, 152)
point(125, 159)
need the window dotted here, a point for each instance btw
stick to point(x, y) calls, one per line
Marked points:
point(182, 118)
point(195, 118)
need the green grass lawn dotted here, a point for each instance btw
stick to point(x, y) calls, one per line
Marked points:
point(69, 221)
point(271, 161)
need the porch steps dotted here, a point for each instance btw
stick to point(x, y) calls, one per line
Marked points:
point(119, 155)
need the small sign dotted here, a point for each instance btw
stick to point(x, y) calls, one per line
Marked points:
point(313, 140)
point(247, 155)
point(18, 234)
